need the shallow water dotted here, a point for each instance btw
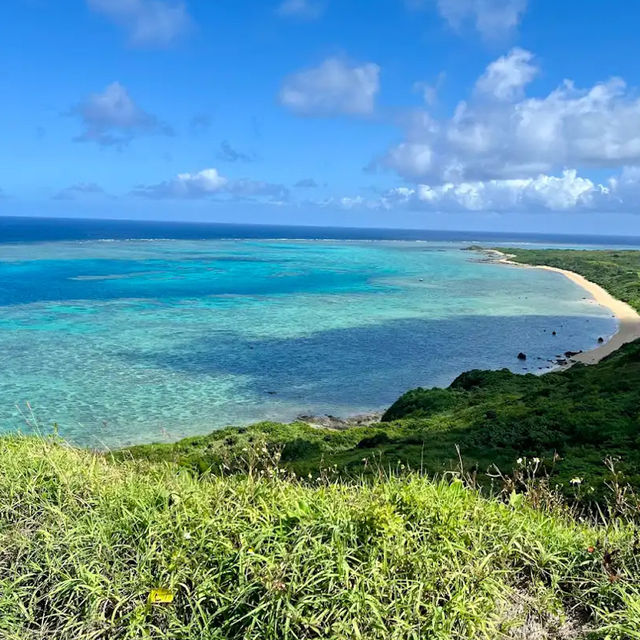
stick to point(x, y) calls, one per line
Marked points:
point(134, 341)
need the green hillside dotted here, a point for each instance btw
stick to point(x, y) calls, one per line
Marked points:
point(86, 542)
point(574, 420)
point(504, 506)
point(616, 271)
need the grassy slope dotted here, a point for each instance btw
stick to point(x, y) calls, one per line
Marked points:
point(84, 540)
point(84, 537)
point(585, 415)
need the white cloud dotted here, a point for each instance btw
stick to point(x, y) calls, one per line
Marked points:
point(306, 9)
point(209, 182)
point(494, 19)
point(113, 118)
point(512, 136)
point(541, 193)
point(148, 22)
point(567, 192)
point(204, 182)
point(186, 185)
point(333, 88)
point(506, 78)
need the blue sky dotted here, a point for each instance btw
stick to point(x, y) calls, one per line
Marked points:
point(450, 114)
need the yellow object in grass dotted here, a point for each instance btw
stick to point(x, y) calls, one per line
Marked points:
point(160, 596)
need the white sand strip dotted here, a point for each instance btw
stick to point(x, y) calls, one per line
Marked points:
point(628, 318)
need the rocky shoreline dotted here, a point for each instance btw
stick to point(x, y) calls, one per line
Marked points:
point(335, 422)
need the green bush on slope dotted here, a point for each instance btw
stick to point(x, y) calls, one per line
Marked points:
point(352, 550)
point(84, 540)
point(573, 419)
point(616, 271)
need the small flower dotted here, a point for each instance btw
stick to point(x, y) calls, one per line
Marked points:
point(250, 550)
point(278, 585)
point(575, 481)
point(590, 549)
point(186, 535)
point(519, 460)
point(536, 460)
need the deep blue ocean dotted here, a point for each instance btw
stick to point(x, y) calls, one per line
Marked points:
point(124, 332)
point(15, 229)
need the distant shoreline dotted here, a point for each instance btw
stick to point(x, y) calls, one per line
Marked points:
point(628, 318)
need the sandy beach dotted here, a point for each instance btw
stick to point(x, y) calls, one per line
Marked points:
point(628, 318)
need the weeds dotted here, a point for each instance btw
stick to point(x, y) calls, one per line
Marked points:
point(91, 548)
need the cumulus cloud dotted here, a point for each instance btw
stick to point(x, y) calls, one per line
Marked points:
point(566, 192)
point(569, 191)
point(506, 78)
point(147, 22)
point(186, 185)
point(208, 183)
point(501, 134)
point(113, 118)
point(494, 19)
point(228, 154)
point(333, 88)
point(306, 9)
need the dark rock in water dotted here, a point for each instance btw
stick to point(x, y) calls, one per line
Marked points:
point(522, 356)
point(600, 340)
point(561, 361)
point(570, 354)
point(553, 333)
point(272, 393)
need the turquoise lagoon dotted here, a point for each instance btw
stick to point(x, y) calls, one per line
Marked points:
point(122, 342)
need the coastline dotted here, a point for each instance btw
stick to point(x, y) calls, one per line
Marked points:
point(628, 318)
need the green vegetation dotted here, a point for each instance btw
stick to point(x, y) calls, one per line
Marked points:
point(501, 507)
point(574, 420)
point(616, 271)
point(581, 422)
point(85, 541)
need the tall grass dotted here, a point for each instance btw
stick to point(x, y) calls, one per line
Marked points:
point(85, 540)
